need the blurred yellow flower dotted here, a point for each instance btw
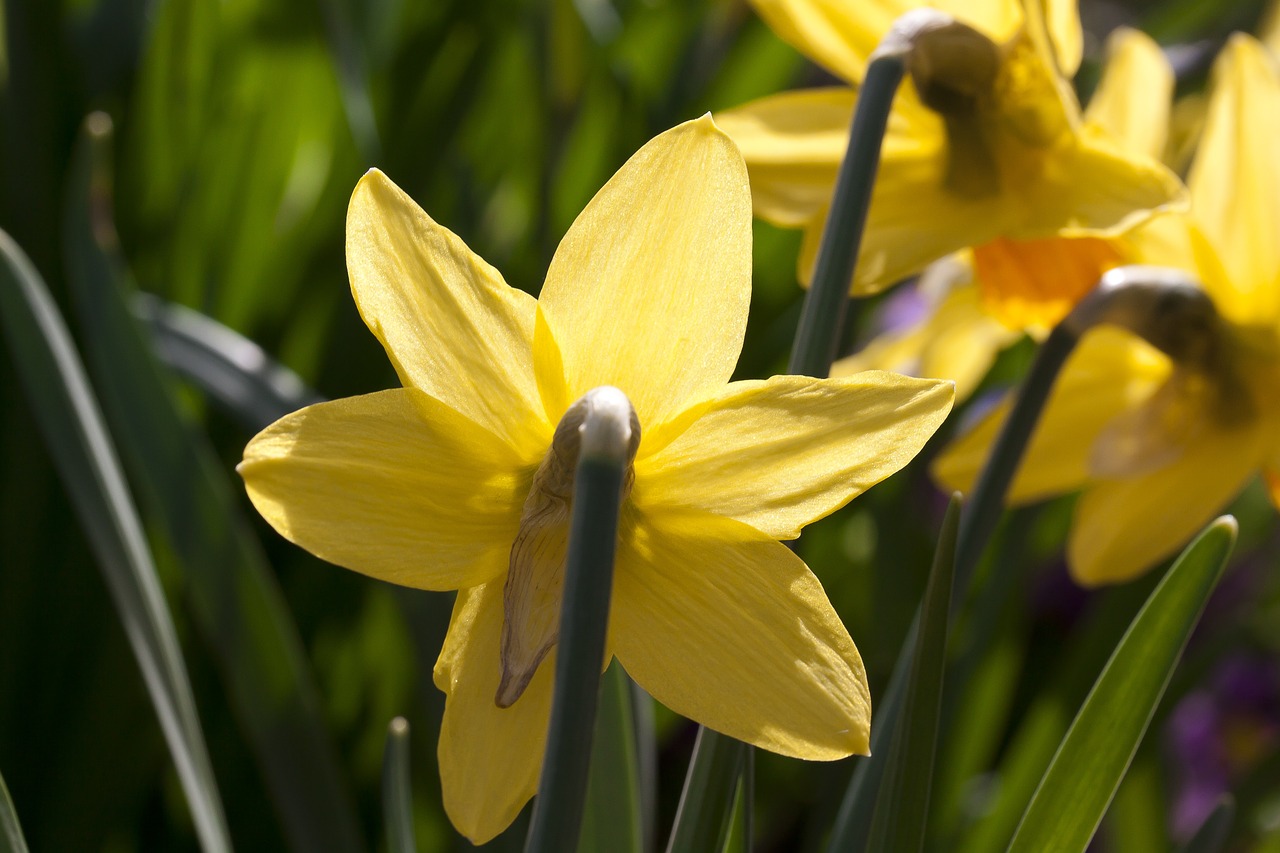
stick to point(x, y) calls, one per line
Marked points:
point(993, 147)
point(1161, 445)
point(433, 485)
point(985, 298)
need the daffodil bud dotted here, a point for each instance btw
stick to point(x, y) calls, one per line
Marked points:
point(603, 421)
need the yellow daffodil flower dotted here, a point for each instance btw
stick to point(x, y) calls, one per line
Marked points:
point(994, 146)
point(986, 298)
point(456, 480)
point(1160, 445)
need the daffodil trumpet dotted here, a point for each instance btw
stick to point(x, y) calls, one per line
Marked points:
point(594, 445)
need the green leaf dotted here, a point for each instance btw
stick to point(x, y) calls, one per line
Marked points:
point(903, 804)
point(704, 816)
point(613, 818)
point(1093, 758)
point(237, 605)
point(397, 796)
point(68, 415)
point(222, 363)
point(1212, 835)
point(11, 839)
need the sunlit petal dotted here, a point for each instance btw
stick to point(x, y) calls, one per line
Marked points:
point(726, 626)
point(1133, 99)
point(450, 324)
point(1235, 180)
point(490, 757)
point(785, 452)
point(793, 144)
point(649, 289)
point(837, 35)
point(395, 485)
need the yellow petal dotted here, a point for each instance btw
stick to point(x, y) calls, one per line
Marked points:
point(449, 323)
point(956, 340)
point(1109, 373)
point(1092, 188)
point(1134, 96)
point(1062, 23)
point(793, 144)
point(1123, 527)
point(649, 289)
point(726, 626)
point(490, 758)
point(785, 452)
point(837, 35)
point(1235, 180)
point(1034, 283)
point(395, 485)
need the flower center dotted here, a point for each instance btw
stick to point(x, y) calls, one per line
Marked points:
point(535, 573)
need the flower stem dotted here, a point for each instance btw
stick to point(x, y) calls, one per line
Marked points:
point(816, 338)
point(584, 620)
point(397, 799)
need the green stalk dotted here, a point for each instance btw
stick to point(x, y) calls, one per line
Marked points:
point(824, 304)
point(986, 502)
point(584, 620)
point(397, 795)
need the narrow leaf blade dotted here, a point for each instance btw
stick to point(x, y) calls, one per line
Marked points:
point(1096, 752)
point(72, 425)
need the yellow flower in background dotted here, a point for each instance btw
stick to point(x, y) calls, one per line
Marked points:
point(996, 147)
point(443, 484)
point(984, 299)
point(1160, 446)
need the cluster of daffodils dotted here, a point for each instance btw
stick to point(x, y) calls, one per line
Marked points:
point(993, 183)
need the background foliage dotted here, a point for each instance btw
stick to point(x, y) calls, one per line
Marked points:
point(241, 127)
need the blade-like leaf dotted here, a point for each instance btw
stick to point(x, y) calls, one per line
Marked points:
point(706, 803)
point(222, 363)
point(1093, 758)
point(397, 796)
point(234, 597)
point(11, 839)
point(71, 423)
point(903, 804)
point(613, 818)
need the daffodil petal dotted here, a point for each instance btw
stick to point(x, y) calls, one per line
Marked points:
point(726, 626)
point(793, 144)
point(1062, 24)
point(1092, 188)
point(837, 35)
point(395, 485)
point(490, 758)
point(1135, 95)
point(782, 453)
point(956, 340)
point(1235, 181)
point(1123, 527)
point(449, 323)
point(1110, 372)
point(649, 290)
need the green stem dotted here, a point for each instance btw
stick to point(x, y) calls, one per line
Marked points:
point(397, 797)
point(584, 621)
point(986, 503)
point(824, 304)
